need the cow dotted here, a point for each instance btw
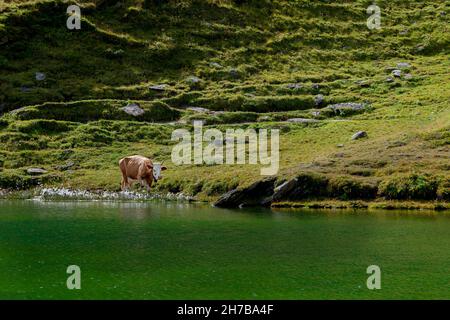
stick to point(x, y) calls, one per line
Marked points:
point(141, 169)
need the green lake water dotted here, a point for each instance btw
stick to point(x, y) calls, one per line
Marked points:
point(170, 250)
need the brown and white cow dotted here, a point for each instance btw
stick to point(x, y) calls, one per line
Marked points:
point(141, 169)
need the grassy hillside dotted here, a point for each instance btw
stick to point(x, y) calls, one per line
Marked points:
point(252, 64)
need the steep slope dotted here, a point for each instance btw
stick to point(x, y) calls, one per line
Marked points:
point(252, 64)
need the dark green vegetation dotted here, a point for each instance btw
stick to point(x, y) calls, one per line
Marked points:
point(252, 64)
point(175, 251)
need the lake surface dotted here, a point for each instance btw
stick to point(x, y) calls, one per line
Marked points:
point(170, 250)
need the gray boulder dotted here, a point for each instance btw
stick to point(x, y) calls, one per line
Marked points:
point(302, 120)
point(234, 73)
point(133, 109)
point(294, 86)
point(40, 76)
point(36, 171)
point(339, 108)
point(158, 87)
point(193, 80)
point(403, 65)
point(359, 135)
point(198, 109)
point(215, 65)
point(315, 86)
point(318, 100)
point(397, 73)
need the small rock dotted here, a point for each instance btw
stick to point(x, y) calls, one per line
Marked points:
point(158, 87)
point(359, 135)
point(302, 120)
point(66, 166)
point(36, 171)
point(215, 65)
point(363, 84)
point(193, 80)
point(198, 109)
point(403, 65)
point(315, 113)
point(408, 76)
point(389, 79)
point(40, 76)
point(404, 32)
point(340, 145)
point(25, 89)
point(347, 105)
point(315, 86)
point(263, 118)
point(318, 100)
point(234, 73)
point(397, 73)
point(294, 86)
point(133, 109)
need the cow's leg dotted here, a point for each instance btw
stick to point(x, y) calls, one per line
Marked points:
point(124, 184)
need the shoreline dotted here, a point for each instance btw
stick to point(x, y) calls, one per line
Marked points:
point(65, 194)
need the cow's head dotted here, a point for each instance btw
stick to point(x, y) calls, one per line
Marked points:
point(157, 168)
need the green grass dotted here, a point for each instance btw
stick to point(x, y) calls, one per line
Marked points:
point(246, 66)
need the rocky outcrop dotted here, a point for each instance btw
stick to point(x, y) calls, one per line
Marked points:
point(306, 185)
point(264, 192)
point(254, 195)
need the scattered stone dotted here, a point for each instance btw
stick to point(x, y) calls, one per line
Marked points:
point(363, 84)
point(234, 73)
point(318, 100)
point(397, 73)
point(337, 108)
point(315, 86)
point(133, 109)
point(66, 166)
point(158, 87)
point(36, 171)
point(263, 118)
point(294, 86)
point(340, 145)
point(302, 120)
point(389, 79)
point(215, 65)
point(403, 65)
point(359, 135)
point(420, 48)
point(198, 109)
point(408, 76)
point(315, 113)
point(193, 80)
point(40, 76)
point(25, 89)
